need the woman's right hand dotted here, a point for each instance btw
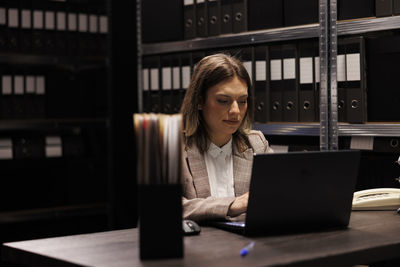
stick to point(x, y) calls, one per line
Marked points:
point(239, 206)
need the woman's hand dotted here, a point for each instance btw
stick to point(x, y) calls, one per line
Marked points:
point(239, 206)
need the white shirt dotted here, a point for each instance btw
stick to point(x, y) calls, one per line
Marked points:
point(219, 165)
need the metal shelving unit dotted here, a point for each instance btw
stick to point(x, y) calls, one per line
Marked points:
point(357, 26)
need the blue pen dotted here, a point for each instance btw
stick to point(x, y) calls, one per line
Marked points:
point(244, 251)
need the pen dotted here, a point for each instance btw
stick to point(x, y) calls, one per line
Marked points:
point(244, 251)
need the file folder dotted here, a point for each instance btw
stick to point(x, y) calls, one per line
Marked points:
point(290, 81)
point(186, 72)
point(166, 84)
point(341, 83)
point(275, 84)
point(176, 83)
point(383, 8)
point(226, 16)
point(260, 83)
point(309, 12)
point(239, 16)
point(383, 78)
point(356, 95)
point(202, 18)
point(162, 20)
point(189, 19)
point(264, 14)
point(307, 90)
point(214, 17)
point(355, 9)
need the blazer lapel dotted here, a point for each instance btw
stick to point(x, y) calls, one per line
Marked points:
point(198, 169)
point(242, 165)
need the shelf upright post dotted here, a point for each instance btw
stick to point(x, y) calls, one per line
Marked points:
point(328, 75)
point(139, 55)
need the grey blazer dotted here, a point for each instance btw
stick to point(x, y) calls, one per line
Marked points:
point(198, 204)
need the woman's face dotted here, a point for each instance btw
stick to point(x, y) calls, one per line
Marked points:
point(224, 108)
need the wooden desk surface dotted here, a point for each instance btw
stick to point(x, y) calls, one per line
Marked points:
point(371, 236)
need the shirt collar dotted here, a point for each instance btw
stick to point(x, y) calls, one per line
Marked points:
point(226, 150)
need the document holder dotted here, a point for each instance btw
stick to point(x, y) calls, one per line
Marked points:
point(160, 221)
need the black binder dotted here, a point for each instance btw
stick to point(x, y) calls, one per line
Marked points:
point(12, 28)
point(396, 7)
point(260, 83)
point(341, 83)
point(290, 81)
point(6, 95)
point(356, 95)
point(189, 19)
point(383, 78)
point(162, 20)
point(146, 65)
point(166, 84)
point(30, 95)
point(176, 83)
point(307, 91)
point(214, 19)
point(226, 16)
point(201, 18)
point(383, 8)
point(18, 102)
point(355, 9)
point(50, 26)
point(72, 28)
point(264, 14)
point(3, 28)
point(26, 26)
point(239, 16)
point(83, 29)
point(309, 12)
point(275, 80)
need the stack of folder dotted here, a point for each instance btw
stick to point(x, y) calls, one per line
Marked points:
point(158, 141)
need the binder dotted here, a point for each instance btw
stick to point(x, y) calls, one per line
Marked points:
point(226, 16)
point(72, 28)
point(275, 84)
point(50, 27)
point(146, 84)
point(12, 26)
point(30, 96)
point(28, 147)
point(26, 26)
point(18, 102)
point(264, 14)
point(155, 82)
point(383, 78)
point(202, 18)
point(103, 29)
point(40, 95)
point(176, 83)
point(186, 66)
point(341, 83)
point(6, 95)
point(239, 16)
point(3, 27)
point(396, 7)
point(38, 32)
point(189, 19)
point(214, 17)
point(166, 84)
point(309, 12)
point(356, 95)
point(317, 79)
point(162, 20)
point(383, 8)
point(83, 29)
point(60, 38)
point(307, 91)
point(355, 9)
point(245, 55)
point(290, 81)
point(260, 83)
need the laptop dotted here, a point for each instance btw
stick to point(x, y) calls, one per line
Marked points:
point(299, 192)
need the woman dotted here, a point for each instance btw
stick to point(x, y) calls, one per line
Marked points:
point(218, 142)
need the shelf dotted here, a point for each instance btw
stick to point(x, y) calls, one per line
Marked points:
point(50, 60)
point(51, 124)
point(345, 129)
point(53, 213)
point(271, 35)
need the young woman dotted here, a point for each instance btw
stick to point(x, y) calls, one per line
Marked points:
point(218, 140)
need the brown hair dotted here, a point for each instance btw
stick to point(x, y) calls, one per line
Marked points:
point(208, 72)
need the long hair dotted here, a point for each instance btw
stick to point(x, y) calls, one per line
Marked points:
point(208, 72)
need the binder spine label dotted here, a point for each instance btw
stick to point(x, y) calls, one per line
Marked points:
point(341, 68)
point(261, 70)
point(154, 79)
point(289, 68)
point(2, 16)
point(306, 70)
point(185, 76)
point(26, 19)
point(18, 85)
point(176, 78)
point(145, 79)
point(61, 21)
point(6, 82)
point(249, 67)
point(276, 69)
point(13, 18)
point(38, 19)
point(316, 68)
point(353, 67)
point(49, 20)
point(166, 78)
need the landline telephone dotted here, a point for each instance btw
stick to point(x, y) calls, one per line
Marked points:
point(377, 199)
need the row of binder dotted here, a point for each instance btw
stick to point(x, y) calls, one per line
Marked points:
point(285, 80)
point(45, 93)
point(53, 27)
point(187, 19)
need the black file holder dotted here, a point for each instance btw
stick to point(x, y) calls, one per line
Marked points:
point(160, 221)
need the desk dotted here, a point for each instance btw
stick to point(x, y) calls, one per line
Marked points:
point(371, 236)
